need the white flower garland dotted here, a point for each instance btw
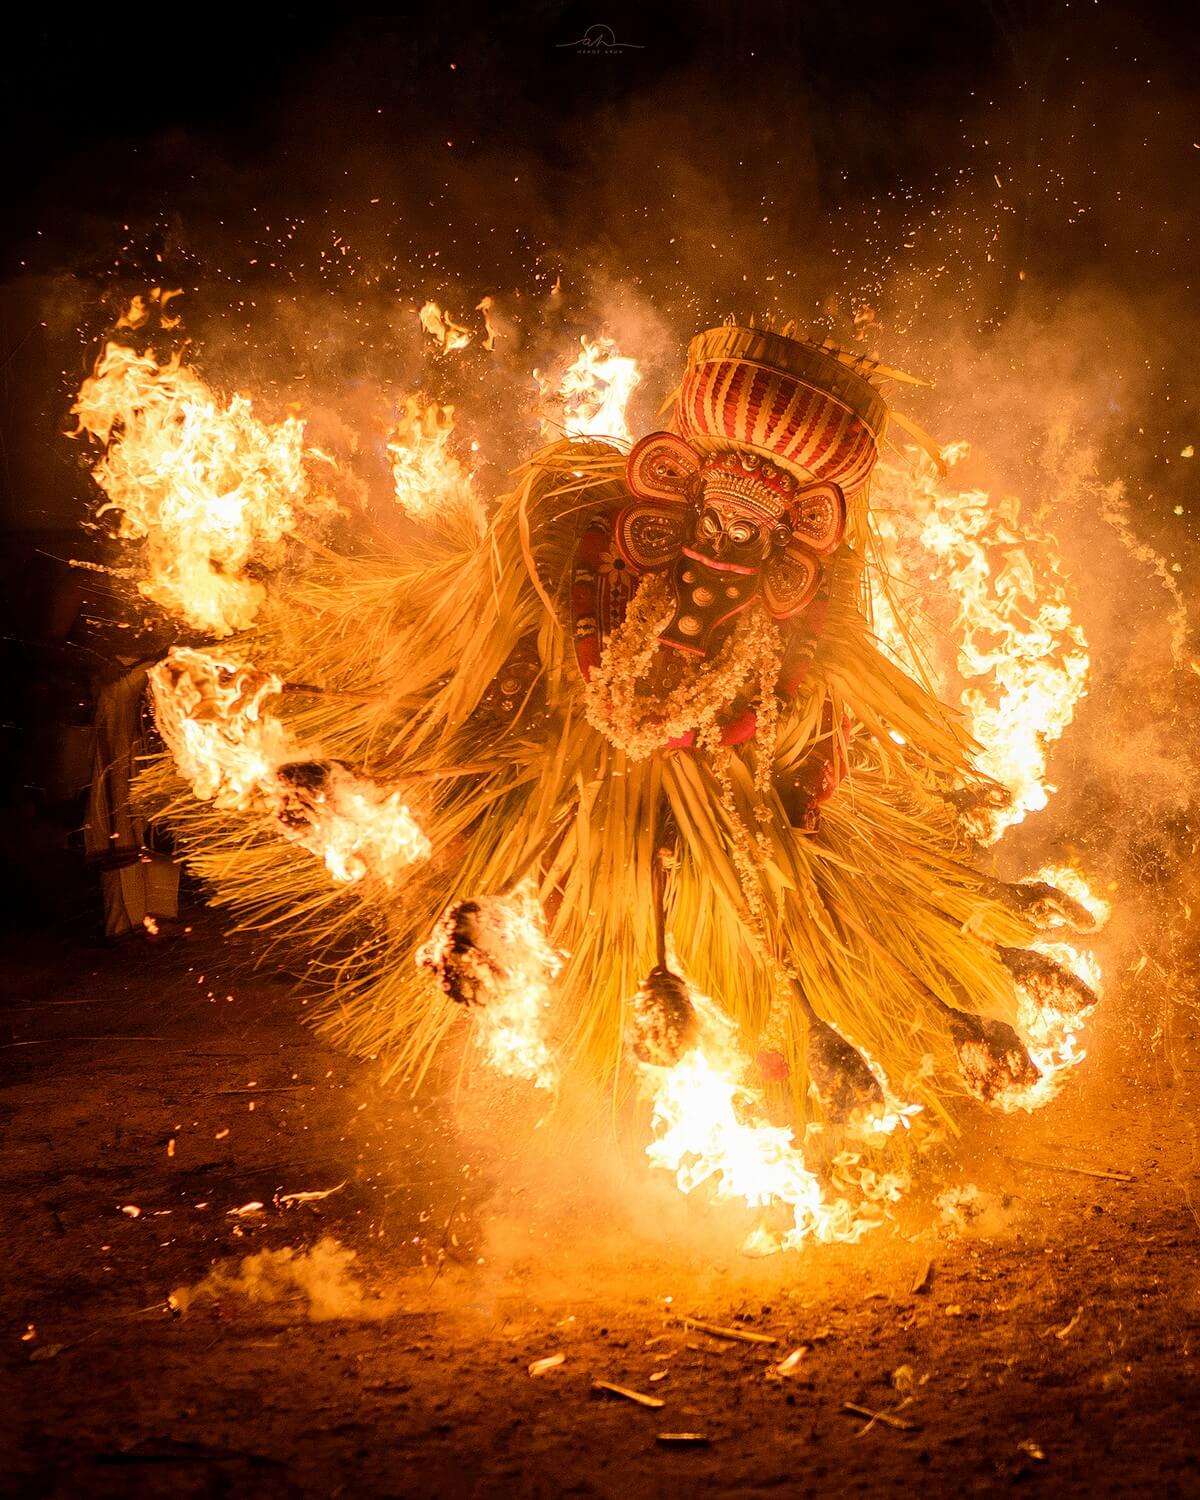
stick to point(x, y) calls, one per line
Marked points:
point(620, 700)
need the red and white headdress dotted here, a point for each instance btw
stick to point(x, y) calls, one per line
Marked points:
point(780, 429)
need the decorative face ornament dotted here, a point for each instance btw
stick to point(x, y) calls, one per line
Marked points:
point(730, 528)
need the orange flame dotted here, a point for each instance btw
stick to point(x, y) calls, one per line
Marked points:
point(429, 481)
point(236, 755)
point(211, 715)
point(997, 574)
point(441, 327)
point(517, 970)
point(204, 483)
point(1052, 1032)
point(591, 398)
point(710, 1131)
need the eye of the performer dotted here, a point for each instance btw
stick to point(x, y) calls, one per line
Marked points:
point(710, 523)
point(743, 533)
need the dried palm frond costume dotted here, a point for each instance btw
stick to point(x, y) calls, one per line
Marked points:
point(650, 688)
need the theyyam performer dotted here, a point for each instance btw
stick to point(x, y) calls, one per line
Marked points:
point(648, 754)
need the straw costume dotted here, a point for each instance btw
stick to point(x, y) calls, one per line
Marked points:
point(649, 692)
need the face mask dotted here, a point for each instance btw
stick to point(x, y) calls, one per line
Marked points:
point(728, 530)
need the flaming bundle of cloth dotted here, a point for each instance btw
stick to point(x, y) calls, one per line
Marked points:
point(617, 778)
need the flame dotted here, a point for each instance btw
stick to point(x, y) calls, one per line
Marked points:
point(710, 1131)
point(207, 486)
point(140, 309)
point(1022, 659)
point(240, 757)
point(868, 1122)
point(442, 328)
point(211, 716)
point(513, 968)
point(354, 826)
point(592, 396)
point(1071, 882)
point(428, 480)
point(491, 330)
point(1051, 1028)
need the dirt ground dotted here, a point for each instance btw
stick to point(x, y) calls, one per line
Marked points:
point(150, 1094)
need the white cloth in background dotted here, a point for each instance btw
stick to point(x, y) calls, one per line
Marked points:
point(137, 882)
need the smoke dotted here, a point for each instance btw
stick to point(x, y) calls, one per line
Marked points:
point(322, 1279)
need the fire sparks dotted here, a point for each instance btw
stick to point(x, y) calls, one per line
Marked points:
point(711, 1132)
point(1022, 659)
point(429, 481)
point(493, 956)
point(591, 398)
point(211, 490)
point(237, 755)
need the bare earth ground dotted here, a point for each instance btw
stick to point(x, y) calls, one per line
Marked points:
point(1054, 1346)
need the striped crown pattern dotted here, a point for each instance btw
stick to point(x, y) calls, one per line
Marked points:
point(794, 402)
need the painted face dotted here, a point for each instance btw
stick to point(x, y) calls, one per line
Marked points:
point(726, 530)
point(716, 575)
point(725, 533)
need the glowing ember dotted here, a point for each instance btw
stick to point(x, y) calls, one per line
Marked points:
point(442, 328)
point(710, 1131)
point(591, 398)
point(238, 756)
point(493, 956)
point(1022, 660)
point(428, 479)
point(211, 490)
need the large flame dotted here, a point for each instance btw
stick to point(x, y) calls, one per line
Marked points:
point(237, 755)
point(992, 577)
point(591, 397)
point(211, 715)
point(211, 490)
point(430, 482)
point(356, 827)
point(711, 1131)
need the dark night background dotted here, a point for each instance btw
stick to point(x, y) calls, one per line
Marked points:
point(975, 172)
